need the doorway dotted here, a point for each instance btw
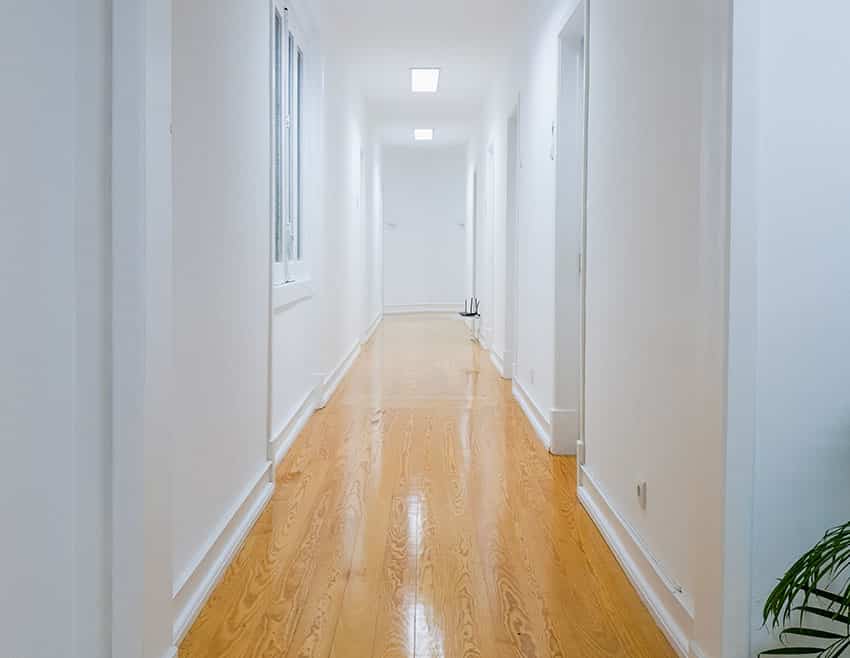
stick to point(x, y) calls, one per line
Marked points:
point(472, 235)
point(511, 246)
point(488, 278)
point(570, 232)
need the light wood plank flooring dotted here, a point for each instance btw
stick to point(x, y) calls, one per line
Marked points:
point(419, 516)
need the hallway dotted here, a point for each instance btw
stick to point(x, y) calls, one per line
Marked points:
point(239, 414)
point(419, 515)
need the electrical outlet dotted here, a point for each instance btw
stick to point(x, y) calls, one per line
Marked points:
point(531, 375)
point(641, 494)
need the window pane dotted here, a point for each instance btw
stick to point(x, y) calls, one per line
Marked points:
point(292, 196)
point(278, 138)
point(299, 115)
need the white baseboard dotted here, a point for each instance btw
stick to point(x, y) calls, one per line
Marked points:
point(499, 363)
point(398, 309)
point(535, 416)
point(372, 329)
point(671, 608)
point(331, 382)
point(282, 441)
point(193, 590)
point(565, 431)
point(485, 337)
point(171, 652)
point(696, 652)
point(508, 365)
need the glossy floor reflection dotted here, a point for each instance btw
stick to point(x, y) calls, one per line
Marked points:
point(419, 516)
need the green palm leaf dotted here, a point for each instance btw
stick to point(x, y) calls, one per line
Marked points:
point(813, 632)
point(823, 568)
point(822, 612)
point(817, 585)
point(793, 651)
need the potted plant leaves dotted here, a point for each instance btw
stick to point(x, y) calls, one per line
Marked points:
point(811, 603)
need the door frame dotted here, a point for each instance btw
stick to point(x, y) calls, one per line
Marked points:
point(568, 412)
point(512, 243)
point(473, 220)
point(488, 246)
point(143, 376)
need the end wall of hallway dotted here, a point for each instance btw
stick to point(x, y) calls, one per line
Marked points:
point(424, 222)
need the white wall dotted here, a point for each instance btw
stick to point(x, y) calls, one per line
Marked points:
point(313, 336)
point(91, 608)
point(496, 203)
point(530, 84)
point(471, 202)
point(655, 268)
point(791, 193)
point(531, 87)
point(235, 334)
point(376, 254)
point(67, 204)
point(296, 352)
point(221, 256)
point(489, 153)
point(536, 255)
point(54, 358)
point(345, 278)
point(644, 390)
point(424, 236)
point(296, 370)
point(656, 296)
point(485, 229)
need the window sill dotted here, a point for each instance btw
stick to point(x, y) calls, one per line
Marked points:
point(288, 294)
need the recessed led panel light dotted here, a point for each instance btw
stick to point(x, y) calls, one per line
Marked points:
point(424, 81)
point(423, 134)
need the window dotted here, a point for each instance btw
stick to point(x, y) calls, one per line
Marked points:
point(287, 148)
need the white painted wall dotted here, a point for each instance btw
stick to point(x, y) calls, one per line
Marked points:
point(742, 332)
point(424, 236)
point(91, 461)
point(485, 239)
point(221, 256)
point(470, 215)
point(296, 368)
point(345, 274)
point(791, 199)
point(656, 259)
point(569, 212)
point(142, 376)
point(536, 257)
point(296, 353)
point(644, 389)
point(232, 336)
point(489, 152)
point(72, 204)
point(376, 212)
point(54, 352)
point(707, 553)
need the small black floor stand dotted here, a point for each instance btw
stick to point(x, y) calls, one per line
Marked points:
point(471, 307)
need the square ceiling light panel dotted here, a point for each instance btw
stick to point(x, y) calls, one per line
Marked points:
point(423, 134)
point(424, 81)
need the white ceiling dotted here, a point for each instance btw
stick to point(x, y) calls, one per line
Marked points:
point(468, 40)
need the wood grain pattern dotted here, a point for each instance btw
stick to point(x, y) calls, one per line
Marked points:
point(417, 516)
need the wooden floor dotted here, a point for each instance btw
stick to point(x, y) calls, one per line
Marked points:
point(419, 516)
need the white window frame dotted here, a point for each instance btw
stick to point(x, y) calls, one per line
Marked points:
point(287, 130)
